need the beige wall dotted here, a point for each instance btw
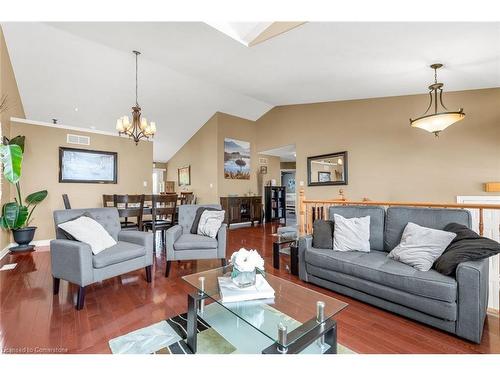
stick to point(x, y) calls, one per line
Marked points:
point(287, 165)
point(200, 152)
point(387, 158)
point(41, 171)
point(8, 87)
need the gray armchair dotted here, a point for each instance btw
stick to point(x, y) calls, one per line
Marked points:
point(74, 261)
point(182, 245)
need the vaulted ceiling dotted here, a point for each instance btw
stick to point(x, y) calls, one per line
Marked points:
point(83, 73)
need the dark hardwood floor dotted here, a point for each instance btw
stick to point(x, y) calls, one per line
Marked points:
point(33, 320)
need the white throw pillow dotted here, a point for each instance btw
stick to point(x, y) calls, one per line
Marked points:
point(351, 234)
point(421, 246)
point(210, 222)
point(87, 230)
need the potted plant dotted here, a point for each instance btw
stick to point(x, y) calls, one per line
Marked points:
point(16, 216)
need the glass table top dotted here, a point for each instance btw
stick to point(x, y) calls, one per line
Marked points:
point(292, 303)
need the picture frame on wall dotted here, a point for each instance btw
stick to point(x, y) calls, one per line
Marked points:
point(184, 176)
point(324, 176)
point(78, 165)
point(263, 169)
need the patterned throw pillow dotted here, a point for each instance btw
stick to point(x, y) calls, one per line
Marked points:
point(210, 222)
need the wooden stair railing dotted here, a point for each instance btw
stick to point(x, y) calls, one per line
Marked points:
point(312, 209)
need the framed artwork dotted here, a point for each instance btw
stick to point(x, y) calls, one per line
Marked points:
point(87, 166)
point(263, 169)
point(328, 169)
point(324, 176)
point(236, 159)
point(184, 176)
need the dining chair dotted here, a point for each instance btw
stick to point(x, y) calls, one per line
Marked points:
point(163, 213)
point(130, 206)
point(188, 198)
point(67, 205)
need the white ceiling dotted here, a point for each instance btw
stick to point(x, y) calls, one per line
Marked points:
point(190, 70)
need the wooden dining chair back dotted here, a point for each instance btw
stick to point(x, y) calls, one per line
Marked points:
point(188, 198)
point(163, 214)
point(108, 200)
point(67, 205)
point(130, 206)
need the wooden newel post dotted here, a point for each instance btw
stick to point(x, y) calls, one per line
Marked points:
point(302, 213)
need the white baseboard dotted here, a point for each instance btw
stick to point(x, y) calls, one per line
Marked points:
point(5, 251)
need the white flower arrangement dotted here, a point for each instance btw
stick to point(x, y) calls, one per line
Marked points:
point(247, 260)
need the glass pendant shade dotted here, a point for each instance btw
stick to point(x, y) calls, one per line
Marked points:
point(439, 120)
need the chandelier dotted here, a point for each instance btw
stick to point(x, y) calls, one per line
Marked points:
point(139, 127)
point(441, 118)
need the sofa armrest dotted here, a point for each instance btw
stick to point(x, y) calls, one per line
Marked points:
point(139, 238)
point(72, 261)
point(221, 241)
point(172, 234)
point(472, 299)
point(305, 243)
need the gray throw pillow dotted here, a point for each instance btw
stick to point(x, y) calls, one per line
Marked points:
point(323, 234)
point(421, 246)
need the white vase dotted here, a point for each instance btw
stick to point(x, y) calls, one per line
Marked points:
point(243, 279)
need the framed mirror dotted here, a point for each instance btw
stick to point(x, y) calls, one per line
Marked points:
point(328, 169)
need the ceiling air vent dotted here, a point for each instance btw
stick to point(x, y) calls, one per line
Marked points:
point(78, 139)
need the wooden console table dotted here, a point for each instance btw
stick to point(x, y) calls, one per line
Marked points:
point(242, 209)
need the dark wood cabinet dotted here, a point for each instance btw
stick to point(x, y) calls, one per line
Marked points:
point(275, 203)
point(242, 209)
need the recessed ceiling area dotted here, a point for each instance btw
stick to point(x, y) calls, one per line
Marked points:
point(189, 70)
point(285, 153)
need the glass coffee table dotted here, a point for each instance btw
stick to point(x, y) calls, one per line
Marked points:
point(296, 320)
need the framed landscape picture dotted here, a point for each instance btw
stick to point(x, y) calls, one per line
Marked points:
point(87, 166)
point(236, 159)
point(184, 176)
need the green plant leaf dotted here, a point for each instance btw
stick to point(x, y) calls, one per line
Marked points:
point(12, 158)
point(37, 197)
point(19, 140)
point(14, 215)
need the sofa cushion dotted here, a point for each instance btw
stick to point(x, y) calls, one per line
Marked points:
point(118, 253)
point(430, 306)
point(375, 266)
point(377, 219)
point(190, 241)
point(436, 218)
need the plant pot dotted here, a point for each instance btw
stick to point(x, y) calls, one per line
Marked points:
point(23, 237)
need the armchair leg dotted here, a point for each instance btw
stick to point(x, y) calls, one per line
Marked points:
point(223, 262)
point(148, 274)
point(80, 299)
point(55, 285)
point(167, 269)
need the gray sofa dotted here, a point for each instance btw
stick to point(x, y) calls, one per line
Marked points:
point(74, 261)
point(457, 305)
point(183, 245)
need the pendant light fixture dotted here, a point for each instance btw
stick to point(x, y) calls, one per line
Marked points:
point(139, 127)
point(441, 118)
